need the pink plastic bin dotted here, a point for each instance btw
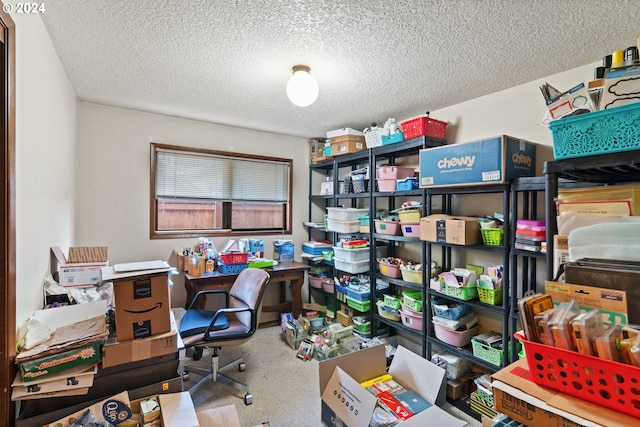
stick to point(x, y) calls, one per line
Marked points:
point(455, 338)
point(386, 185)
point(411, 318)
point(410, 229)
point(394, 172)
point(389, 270)
point(387, 227)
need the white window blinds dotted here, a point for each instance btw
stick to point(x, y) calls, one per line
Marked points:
point(184, 175)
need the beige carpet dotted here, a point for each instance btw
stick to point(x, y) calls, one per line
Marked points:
point(285, 389)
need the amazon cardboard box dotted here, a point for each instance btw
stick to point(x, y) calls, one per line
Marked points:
point(456, 230)
point(346, 402)
point(142, 306)
point(116, 352)
point(490, 161)
point(516, 396)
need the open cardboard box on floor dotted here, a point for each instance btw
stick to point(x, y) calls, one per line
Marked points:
point(340, 379)
point(521, 399)
point(177, 410)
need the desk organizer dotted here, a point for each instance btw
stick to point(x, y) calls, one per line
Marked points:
point(600, 132)
point(232, 268)
point(604, 382)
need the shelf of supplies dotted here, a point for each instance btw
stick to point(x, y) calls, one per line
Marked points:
point(398, 325)
point(474, 302)
point(466, 352)
point(398, 282)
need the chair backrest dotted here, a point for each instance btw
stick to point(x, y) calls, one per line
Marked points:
point(248, 290)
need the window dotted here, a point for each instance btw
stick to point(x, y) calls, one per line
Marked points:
point(198, 192)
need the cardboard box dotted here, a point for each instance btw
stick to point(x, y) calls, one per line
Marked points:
point(458, 388)
point(351, 145)
point(489, 161)
point(560, 251)
point(142, 306)
point(342, 132)
point(31, 370)
point(521, 399)
point(456, 230)
point(143, 379)
point(116, 352)
point(177, 410)
point(345, 400)
point(316, 145)
point(69, 273)
point(612, 303)
point(223, 416)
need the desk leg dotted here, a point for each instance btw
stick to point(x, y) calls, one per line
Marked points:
point(296, 295)
point(191, 292)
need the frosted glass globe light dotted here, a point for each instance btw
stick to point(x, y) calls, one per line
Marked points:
point(302, 88)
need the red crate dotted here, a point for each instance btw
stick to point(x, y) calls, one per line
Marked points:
point(423, 126)
point(604, 382)
point(234, 257)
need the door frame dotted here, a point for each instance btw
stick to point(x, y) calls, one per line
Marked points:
point(8, 231)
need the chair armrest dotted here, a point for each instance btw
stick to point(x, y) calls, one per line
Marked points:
point(225, 311)
point(209, 291)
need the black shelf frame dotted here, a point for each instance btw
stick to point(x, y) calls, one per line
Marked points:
point(446, 194)
point(603, 169)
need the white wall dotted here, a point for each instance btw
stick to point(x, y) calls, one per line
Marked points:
point(45, 159)
point(113, 179)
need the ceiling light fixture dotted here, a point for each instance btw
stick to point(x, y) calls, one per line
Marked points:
point(302, 88)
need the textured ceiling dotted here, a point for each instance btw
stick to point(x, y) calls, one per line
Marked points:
point(228, 62)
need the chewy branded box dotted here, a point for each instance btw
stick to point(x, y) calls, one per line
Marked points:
point(82, 268)
point(345, 402)
point(116, 353)
point(142, 306)
point(490, 161)
point(455, 230)
point(516, 396)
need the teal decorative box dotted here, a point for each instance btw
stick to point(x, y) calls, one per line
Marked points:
point(392, 139)
point(600, 132)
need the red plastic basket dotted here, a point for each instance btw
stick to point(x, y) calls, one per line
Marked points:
point(234, 257)
point(604, 382)
point(423, 126)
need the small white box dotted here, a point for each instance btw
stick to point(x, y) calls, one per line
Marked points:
point(74, 274)
point(343, 131)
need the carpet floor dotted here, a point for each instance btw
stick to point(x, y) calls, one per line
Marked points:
point(285, 389)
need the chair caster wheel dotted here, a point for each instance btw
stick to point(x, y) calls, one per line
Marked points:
point(197, 353)
point(185, 376)
point(242, 366)
point(248, 399)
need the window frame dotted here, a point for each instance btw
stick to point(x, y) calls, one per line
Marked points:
point(154, 233)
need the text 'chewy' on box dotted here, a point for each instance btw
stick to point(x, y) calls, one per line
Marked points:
point(489, 161)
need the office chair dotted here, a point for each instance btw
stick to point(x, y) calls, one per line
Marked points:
point(234, 324)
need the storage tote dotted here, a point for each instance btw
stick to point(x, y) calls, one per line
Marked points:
point(410, 229)
point(600, 132)
point(352, 267)
point(346, 214)
point(455, 338)
point(423, 125)
point(387, 227)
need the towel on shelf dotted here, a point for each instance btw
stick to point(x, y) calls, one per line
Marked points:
point(616, 241)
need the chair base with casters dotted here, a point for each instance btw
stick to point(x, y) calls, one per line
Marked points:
point(231, 325)
point(214, 374)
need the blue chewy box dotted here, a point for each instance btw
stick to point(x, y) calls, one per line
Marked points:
point(490, 161)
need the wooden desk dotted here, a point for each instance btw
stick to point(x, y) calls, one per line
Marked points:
point(281, 273)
